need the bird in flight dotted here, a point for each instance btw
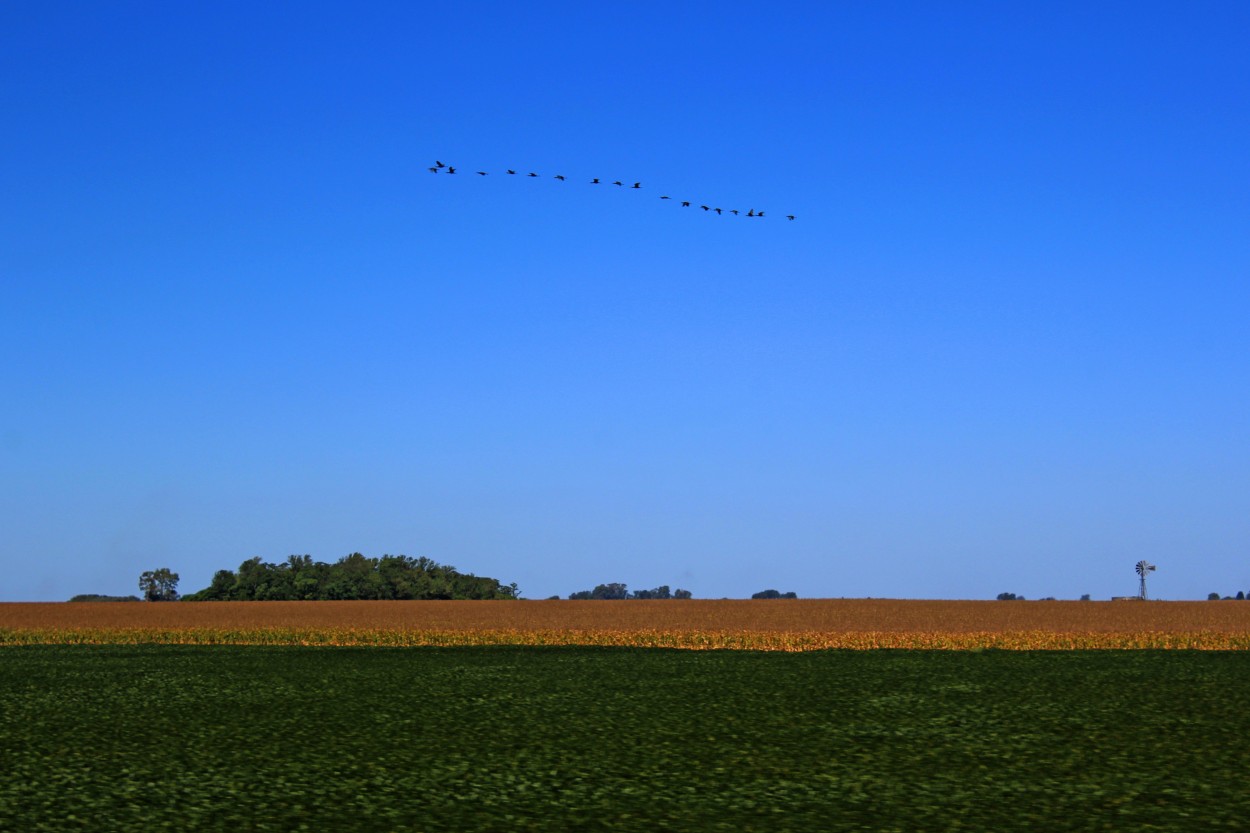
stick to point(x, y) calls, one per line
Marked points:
point(440, 166)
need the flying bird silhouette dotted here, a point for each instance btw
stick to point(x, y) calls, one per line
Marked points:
point(440, 166)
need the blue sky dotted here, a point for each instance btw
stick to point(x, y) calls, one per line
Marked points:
point(1003, 347)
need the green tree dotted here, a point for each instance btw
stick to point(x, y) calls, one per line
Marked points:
point(159, 585)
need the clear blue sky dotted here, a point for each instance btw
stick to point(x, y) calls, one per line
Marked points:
point(1004, 347)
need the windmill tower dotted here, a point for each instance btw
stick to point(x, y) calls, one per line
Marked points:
point(1143, 567)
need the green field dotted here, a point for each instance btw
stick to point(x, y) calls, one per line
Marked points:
point(465, 739)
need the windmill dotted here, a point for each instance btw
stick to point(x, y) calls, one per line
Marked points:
point(1143, 567)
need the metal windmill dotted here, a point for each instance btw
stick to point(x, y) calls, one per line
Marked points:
point(1143, 567)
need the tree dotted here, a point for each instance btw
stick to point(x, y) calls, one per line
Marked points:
point(774, 594)
point(660, 592)
point(1213, 597)
point(96, 597)
point(681, 594)
point(1010, 597)
point(1085, 597)
point(352, 577)
point(1241, 595)
point(159, 585)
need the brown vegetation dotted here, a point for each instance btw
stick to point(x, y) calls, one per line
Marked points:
point(803, 624)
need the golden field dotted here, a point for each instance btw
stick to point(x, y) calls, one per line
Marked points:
point(782, 624)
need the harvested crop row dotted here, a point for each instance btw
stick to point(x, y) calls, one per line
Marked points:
point(687, 640)
point(803, 616)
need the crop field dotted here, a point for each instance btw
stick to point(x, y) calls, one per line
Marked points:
point(772, 625)
point(225, 738)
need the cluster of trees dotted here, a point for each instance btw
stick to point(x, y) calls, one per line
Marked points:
point(1013, 597)
point(1216, 597)
point(774, 594)
point(96, 597)
point(619, 591)
point(353, 576)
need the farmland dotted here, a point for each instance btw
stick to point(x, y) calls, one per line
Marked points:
point(785, 625)
point(119, 738)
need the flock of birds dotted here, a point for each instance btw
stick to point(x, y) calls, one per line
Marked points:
point(439, 167)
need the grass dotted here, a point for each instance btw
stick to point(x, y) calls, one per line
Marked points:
point(106, 738)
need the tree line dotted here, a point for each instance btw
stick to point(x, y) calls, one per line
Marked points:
point(616, 590)
point(355, 576)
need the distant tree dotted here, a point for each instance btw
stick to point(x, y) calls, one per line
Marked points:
point(1241, 595)
point(609, 591)
point(96, 597)
point(661, 592)
point(1010, 597)
point(620, 591)
point(1085, 597)
point(353, 576)
point(774, 594)
point(1213, 597)
point(159, 585)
